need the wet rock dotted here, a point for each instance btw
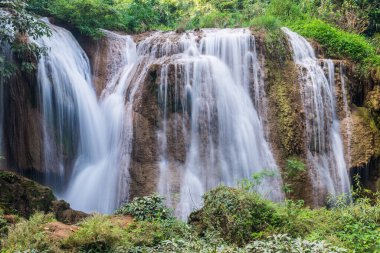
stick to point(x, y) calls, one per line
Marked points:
point(286, 116)
point(65, 214)
point(365, 148)
point(22, 196)
point(22, 124)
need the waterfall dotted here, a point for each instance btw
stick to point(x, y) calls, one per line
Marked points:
point(123, 55)
point(76, 127)
point(211, 125)
point(226, 139)
point(324, 142)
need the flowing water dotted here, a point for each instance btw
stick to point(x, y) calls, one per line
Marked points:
point(221, 126)
point(75, 125)
point(211, 122)
point(325, 146)
point(213, 79)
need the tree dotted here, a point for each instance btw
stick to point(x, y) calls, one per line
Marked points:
point(17, 28)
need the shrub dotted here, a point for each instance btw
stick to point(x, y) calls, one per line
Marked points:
point(30, 234)
point(152, 233)
point(146, 208)
point(16, 26)
point(267, 22)
point(96, 234)
point(237, 215)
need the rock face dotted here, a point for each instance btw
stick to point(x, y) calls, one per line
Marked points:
point(24, 197)
point(286, 117)
point(22, 124)
point(144, 172)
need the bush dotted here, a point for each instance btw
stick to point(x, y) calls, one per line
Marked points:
point(96, 234)
point(266, 22)
point(153, 233)
point(237, 215)
point(146, 208)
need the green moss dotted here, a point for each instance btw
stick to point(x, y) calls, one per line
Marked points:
point(22, 196)
point(365, 114)
point(341, 44)
point(282, 85)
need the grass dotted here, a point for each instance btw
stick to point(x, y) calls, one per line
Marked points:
point(30, 234)
point(232, 220)
point(339, 44)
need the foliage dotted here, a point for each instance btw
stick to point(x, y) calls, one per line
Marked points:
point(30, 234)
point(337, 42)
point(267, 22)
point(90, 16)
point(146, 208)
point(230, 217)
point(3, 224)
point(240, 216)
point(152, 233)
point(253, 183)
point(341, 44)
point(16, 27)
point(237, 215)
point(101, 234)
point(294, 166)
point(96, 234)
point(284, 243)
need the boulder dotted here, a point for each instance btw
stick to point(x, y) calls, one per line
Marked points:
point(22, 196)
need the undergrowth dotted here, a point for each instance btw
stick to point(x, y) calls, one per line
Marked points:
point(231, 220)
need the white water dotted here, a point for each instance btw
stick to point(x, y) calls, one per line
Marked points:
point(226, 136)
point(118, 115)
point(325, 146)
point(212, 99)
point(73, 117)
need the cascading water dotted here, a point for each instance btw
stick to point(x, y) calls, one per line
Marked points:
point(74, 123)
point(212, 107)
point(226, 136)
point(118, 116)
point(325, 146)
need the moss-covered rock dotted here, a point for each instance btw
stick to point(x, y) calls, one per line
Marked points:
point(365, 137)
point(286, 116)
point(19, 195)
point(373, 103)
point(365, 148)
point(24, 197)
